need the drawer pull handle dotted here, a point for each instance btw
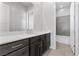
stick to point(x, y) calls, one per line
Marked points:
point(17, 46)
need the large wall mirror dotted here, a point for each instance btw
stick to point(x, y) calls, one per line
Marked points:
point(16, 16)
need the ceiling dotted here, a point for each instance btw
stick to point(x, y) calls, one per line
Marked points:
point(60, 5)
point(26, 5)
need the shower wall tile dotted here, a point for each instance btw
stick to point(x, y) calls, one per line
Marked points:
point(63, 25)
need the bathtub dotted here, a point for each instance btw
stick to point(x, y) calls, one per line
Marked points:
point(62, 39)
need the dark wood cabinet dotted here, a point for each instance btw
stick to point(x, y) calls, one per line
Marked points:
point(45, 41)
point(34, 46)
point(21, 52)
point(8, 48)
point(34, 49)
point(48, 40)
point(40, 45)
point(34, 43)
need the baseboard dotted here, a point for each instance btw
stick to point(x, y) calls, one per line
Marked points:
point(52, 47)
point(63, 39)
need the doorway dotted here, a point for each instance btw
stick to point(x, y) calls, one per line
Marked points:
point(65, 23)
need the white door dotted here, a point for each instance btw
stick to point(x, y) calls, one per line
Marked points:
point(72, 33)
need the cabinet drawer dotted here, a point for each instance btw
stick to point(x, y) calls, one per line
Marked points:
point(21, 52)
point(33, 39)
point(7, 48)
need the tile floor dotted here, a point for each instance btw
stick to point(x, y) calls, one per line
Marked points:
point(62, 50)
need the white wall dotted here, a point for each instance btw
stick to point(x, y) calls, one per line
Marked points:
point(72, 26)
point(77, 28)
point(38, 18)
point(45, 19)
point(4, 18)
point(77, 24)
point(49, 21)
point(62, 12)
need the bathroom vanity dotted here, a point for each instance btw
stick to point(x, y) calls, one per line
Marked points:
point(25, 45)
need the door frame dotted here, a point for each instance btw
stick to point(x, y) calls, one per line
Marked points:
point(72, 27)
point(76, 27)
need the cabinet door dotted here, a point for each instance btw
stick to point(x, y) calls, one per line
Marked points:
point(34, 49)
point(21, 52)
point(40, 48)
point(45, 41)
point(48, 37)
point(48, 40)
point(44, 47)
